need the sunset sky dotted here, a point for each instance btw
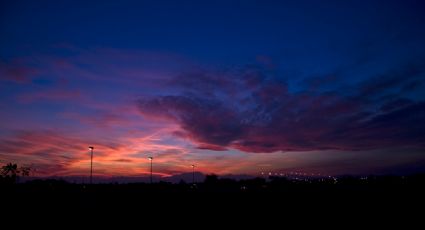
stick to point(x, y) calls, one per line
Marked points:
point(234, 87)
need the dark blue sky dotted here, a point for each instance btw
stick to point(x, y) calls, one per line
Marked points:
point(280, 85)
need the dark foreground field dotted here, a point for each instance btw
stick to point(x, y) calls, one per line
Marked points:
point(217, 202)
point(255, 195)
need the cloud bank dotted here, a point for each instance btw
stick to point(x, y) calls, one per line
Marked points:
point(254, 111)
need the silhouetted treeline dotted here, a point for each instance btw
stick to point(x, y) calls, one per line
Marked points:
point(10, 173)
point(213, 183)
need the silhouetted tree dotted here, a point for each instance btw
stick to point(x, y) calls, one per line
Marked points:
point(10, 172)
point(25, 171)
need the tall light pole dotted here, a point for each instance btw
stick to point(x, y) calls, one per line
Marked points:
point(91, 164)
point(151, 159)
point(193, 174)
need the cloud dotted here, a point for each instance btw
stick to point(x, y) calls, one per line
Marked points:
point(398, 79)
point(51, 95)
point(209, 122)
point(255, 111)
point(16, 71)
point(53, 152)
point(123, 160)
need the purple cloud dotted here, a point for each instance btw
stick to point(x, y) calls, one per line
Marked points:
point(16, 71)
point(257, 113)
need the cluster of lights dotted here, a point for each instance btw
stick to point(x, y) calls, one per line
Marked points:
point(298, 175)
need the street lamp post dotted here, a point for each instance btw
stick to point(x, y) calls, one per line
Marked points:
point(193, 174)
point(91, 164)
point(151, 159)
